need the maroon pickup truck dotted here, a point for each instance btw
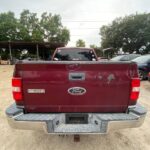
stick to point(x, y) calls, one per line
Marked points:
point(75, 94)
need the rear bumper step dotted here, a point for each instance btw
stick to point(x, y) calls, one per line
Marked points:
point(92, 123)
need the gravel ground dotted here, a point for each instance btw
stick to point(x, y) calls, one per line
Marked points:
point(127, 139)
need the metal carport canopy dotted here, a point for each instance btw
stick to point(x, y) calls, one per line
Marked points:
point(30, 45)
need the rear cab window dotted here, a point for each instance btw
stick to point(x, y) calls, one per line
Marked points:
point(74, 54)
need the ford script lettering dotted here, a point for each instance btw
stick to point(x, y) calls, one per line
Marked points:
point(76, 91)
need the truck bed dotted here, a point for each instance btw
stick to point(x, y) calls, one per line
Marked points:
point(76, 87)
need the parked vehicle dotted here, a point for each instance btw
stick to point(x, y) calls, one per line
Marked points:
point(75, 94)
point(143, 63)
point(128, 57)
point(149, 76)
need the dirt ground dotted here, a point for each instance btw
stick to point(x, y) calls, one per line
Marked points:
point(127, 139)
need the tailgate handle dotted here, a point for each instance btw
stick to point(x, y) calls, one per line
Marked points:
point(76, 76)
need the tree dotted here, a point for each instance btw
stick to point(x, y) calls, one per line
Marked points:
point(53, 29)
point(30, 28)
point(8, 27)
point(80, 43)
point(130, 33)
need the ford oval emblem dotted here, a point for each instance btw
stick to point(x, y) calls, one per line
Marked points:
point(76, 91)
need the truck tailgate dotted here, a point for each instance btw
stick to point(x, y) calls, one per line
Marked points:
point(75, 86)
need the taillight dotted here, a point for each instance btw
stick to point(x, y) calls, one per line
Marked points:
point(17, 89)
point(135, 89)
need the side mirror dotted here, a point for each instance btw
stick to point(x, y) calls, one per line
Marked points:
point(55, 59)
point(93, 59)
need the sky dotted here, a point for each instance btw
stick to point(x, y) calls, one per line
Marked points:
point(82, 17)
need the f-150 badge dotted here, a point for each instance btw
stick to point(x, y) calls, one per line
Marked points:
point(38, 91)
point(76, 91)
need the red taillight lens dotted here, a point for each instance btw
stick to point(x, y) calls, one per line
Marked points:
point(17, 89)
point(135, 89)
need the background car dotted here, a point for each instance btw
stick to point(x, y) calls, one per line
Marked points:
point(143, 63)
point(149, 76)
point(128, 57)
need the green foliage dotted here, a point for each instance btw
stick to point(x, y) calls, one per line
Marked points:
point(4, 54)
point(53, 29)
point(8, 27)
point(93, 46)
point(80, 43)
point(30, 28)
point(131, 33)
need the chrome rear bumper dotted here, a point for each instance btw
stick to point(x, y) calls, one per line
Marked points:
point(98, 123)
